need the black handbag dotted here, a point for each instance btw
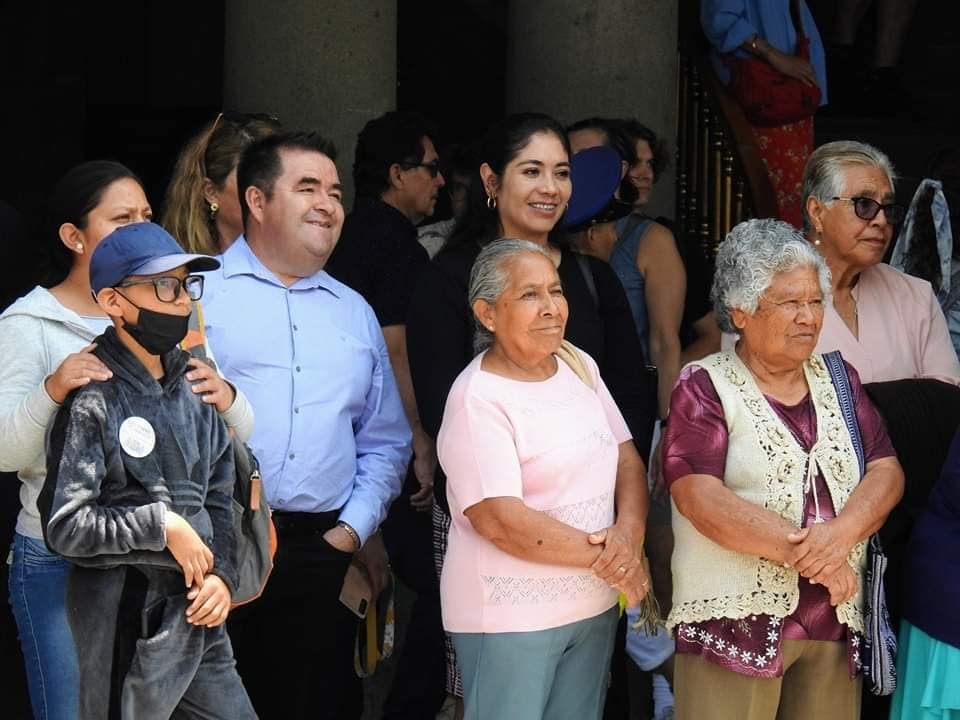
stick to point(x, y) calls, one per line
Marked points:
point(878, 656)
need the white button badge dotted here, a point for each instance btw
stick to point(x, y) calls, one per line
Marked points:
point(137, 437)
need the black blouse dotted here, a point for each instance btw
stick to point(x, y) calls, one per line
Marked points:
point(440, 331)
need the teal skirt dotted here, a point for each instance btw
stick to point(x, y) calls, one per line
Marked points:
point(928, 678)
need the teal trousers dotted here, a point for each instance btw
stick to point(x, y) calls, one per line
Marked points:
point(556, 674)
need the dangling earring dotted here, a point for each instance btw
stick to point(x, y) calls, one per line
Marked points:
point(491, 202)
point(213, 209)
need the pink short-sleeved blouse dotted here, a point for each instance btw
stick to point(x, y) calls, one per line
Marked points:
point(552, 443)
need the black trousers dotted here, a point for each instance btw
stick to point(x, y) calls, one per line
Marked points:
point(418, 689)
point(294, 645)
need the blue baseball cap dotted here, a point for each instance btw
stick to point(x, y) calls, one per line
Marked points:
point(595, 173)
point(140, 249)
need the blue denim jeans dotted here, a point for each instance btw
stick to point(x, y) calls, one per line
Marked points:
point(38, 580)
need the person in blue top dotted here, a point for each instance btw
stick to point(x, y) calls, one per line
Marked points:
point(765, 29)
point(332, 437)
point(928, 658)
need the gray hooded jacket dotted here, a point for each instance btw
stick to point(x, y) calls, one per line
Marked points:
point(36, 333)
point(110, 485)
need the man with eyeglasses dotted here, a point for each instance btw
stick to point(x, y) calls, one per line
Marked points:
point(396, 172)
point(139, 496)
point(331, 435)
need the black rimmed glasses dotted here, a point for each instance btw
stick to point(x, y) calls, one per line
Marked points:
point(867, 209)
point(168, 287)
point(432, 167)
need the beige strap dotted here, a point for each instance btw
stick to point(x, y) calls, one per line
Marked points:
point(571, 356)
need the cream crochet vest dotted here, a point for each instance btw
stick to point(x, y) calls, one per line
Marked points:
point(766, 466)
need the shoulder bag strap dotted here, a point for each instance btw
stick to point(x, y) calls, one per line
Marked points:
point(571, 356)
point(841, 381)
point(584, 262)
point(797, 20)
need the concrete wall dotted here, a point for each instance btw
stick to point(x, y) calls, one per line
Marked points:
point(328, 65)
point(611, 58)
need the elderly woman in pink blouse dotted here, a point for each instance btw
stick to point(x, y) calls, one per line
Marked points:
point(548, 500)
point(887, 324)
point(771, 513)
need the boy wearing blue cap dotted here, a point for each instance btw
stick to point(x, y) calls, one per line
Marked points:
point(139, 495)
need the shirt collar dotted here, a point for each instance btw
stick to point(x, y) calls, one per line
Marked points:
point(375, 204)
point(239, 259)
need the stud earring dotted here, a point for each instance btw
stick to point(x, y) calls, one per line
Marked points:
point(213, 208)
point(79, 247)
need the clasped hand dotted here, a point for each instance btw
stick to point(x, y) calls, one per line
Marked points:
point(820, 554)
point(620, 563)
point(209, 594)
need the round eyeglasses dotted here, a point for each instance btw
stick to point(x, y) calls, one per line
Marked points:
point(168, 287)
point(867, 209)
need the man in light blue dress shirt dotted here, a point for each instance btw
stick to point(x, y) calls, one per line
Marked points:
point(331, 436)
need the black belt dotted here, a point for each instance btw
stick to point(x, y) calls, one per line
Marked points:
point(304, 523)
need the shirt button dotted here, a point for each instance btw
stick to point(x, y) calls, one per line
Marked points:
point(298, 368)
point(297, 410)
point(292, 455)
point(295, 327)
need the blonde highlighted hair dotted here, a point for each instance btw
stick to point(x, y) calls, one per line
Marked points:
point(213, 153)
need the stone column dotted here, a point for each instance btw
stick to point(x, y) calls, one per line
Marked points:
point(575, 59)
point(329, 66)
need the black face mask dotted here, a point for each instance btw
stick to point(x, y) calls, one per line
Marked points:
point(157, 333)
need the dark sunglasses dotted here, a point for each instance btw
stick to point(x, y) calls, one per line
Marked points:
point(433, 167)
point(168, 287)
point(867, 209)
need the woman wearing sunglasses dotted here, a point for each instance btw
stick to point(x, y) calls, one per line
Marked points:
point(46, 342)
point(887, 324)
point(202, 207)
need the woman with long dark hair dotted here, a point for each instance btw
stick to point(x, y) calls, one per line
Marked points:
point(46, 337)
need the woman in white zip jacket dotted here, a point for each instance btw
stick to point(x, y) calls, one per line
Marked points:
point(45, 338)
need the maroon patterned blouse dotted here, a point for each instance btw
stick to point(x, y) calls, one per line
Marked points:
point(695, 442)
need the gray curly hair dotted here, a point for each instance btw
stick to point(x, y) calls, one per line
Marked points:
point(753, 253)
point(489, 278)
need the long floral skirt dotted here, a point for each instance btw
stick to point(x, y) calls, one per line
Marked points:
point(785, 150)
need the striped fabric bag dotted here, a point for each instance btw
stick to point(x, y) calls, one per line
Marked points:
point(878, 659)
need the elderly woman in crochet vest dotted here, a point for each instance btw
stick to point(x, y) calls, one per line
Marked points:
point(770, 511)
